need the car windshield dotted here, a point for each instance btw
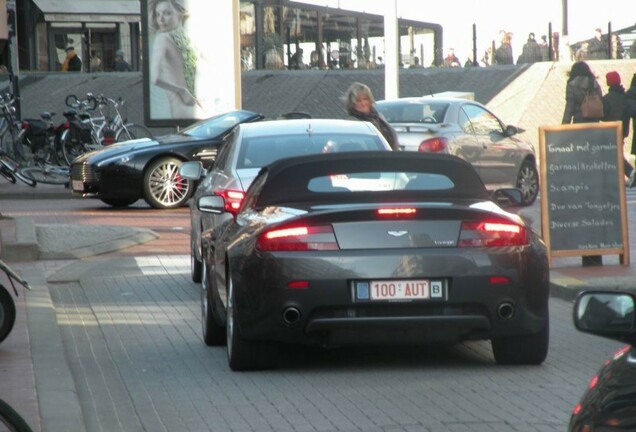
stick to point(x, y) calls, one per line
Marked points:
point(419, 111)
point(263, 150)
point(216, 125)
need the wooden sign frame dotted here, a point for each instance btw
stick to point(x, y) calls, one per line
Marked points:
point(587, 180)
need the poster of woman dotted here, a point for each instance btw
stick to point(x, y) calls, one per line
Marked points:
point(188, 52)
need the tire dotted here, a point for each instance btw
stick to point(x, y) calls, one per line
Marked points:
point(522, 350)
point(119, 202)
point(244, 355)
point(10, 166)
point(213, 333)
point(11, 419)
point(47, 174)
point(8, 175)
point(195, 264)
point(131, 131)
point(72, 149)
point(528, 182)
point(163, 187)
point(7, 313)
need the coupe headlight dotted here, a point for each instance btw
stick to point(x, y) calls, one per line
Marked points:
point(120, 159)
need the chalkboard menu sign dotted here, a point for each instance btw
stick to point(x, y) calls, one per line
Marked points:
point(583, 208)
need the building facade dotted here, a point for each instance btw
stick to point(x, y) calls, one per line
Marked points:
point(275, 34)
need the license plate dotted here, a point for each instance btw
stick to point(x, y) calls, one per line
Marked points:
point(77, 185)
point(420, 289)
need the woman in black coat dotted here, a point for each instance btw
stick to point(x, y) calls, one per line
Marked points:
point(581, 80)
point(360, 104)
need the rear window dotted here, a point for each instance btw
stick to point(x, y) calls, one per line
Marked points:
point(260, 151)
point(414, 112)
point(380, 181)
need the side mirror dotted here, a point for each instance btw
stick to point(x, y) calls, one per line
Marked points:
point(211, 204)
point(606, 313)
point(507, 197)
point(513, 130)
point(192, 170)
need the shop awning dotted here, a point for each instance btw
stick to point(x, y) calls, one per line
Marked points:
point(89, 10)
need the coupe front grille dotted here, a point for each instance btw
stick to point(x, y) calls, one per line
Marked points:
point(84, 172)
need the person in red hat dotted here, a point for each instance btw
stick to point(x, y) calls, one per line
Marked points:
point(615, 108)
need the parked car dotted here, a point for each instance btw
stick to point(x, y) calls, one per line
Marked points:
point(609, 403)
point(122, 173)
point(252, 146)
point(373, 247)
point(467, 129)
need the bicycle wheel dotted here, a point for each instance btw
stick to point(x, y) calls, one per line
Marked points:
point(12, 420)
point(8, 175)
point(10, 165)
point(131, 131)
point(47, 174)
point(7, 313)
point(72, 148)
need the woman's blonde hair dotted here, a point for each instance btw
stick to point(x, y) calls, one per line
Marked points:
point(176, 5)
point(354, 92)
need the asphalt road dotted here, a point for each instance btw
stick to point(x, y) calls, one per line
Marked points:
point(130, 327)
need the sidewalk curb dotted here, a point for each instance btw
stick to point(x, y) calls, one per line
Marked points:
point(57, 395)
point(25, 247)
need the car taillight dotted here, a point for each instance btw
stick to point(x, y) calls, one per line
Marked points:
point(495, 233)
point(232, 199)
point(434, 145)
point(25, 124)
point(298, 238)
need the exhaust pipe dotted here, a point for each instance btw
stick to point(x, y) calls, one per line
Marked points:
point(291, 315)
point(506, 310)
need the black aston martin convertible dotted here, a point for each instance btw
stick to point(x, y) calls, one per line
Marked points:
point(122, 173)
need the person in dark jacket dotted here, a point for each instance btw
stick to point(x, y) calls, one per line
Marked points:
point(531, 52)
point(359, 103)
point(503, 54)
point(630, 101)
point(72, 62)
point(580, 81)
point(615, 108)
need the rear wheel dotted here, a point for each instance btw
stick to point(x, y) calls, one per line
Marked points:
point(10, 166)
point(163, 185)
point(119, 202)
point(213, 333)
point(7, 313)
point(524, 349)
point(131, 131)
point(73, 148)
point(528, 182)
point(244, 355)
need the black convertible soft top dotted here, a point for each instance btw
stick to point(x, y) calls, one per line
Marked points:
point(287, 180)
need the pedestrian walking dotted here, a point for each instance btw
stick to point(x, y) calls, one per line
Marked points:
point(531, 52)
point(630, 100)
point(503, 54)
point(615, 108)
point(581, 81)
point(72, 63)
point(360, 104)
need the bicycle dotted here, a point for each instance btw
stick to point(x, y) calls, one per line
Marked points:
point(11, 419)
point(10, 147)
point(93, 132)
point(42, 137)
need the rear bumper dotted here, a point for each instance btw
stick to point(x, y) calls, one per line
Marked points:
point(328, 311)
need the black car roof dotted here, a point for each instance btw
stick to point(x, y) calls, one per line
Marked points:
point(287, 179)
